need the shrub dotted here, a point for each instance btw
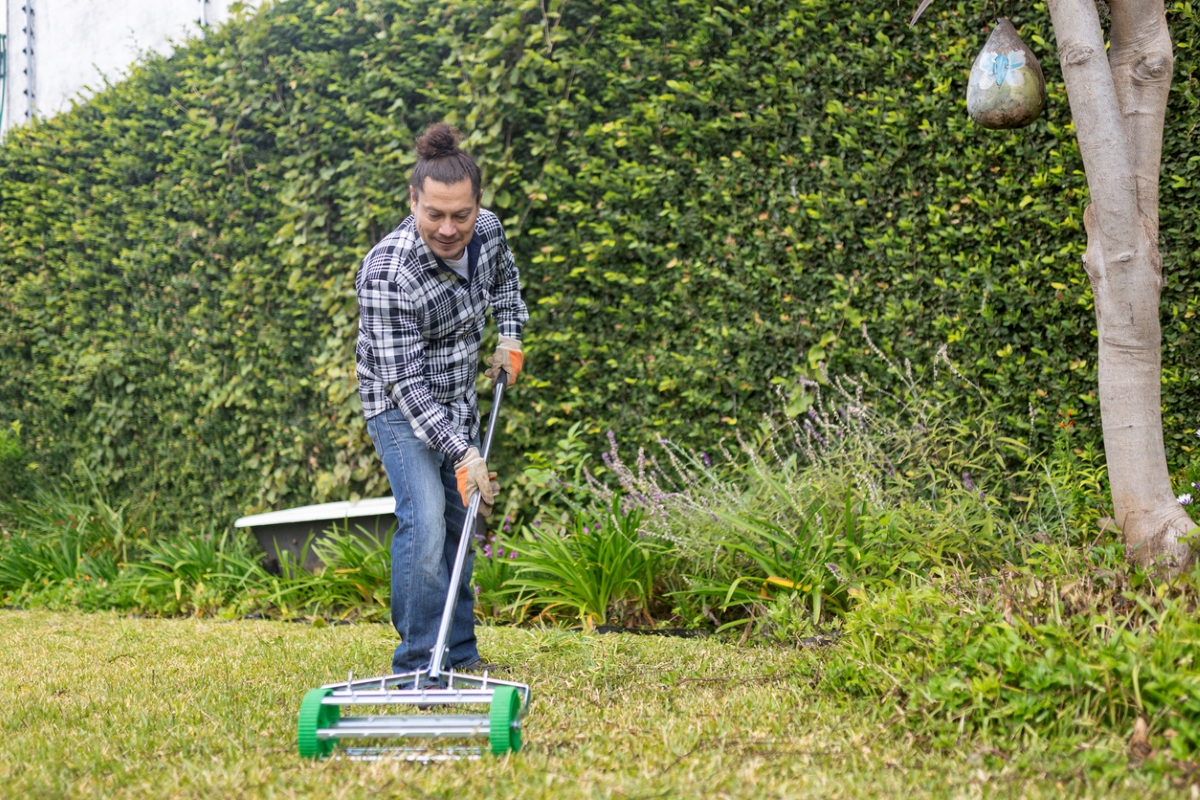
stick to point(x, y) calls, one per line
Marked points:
point(870, 482)
point(706, 200)
point(16, 472)
point(602, 568)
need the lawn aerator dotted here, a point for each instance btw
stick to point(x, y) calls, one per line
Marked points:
point(321, 723)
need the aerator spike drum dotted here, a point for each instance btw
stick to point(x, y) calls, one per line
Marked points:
point(1006, 89)
point(432, 710)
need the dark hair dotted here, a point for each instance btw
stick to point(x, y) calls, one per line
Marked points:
point(439, 157)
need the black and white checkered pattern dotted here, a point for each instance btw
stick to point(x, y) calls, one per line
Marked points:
point(420, 327)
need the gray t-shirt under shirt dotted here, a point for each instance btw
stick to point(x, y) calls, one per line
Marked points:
point(460, 266)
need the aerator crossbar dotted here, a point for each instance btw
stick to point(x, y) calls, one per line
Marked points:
point(409, 696)
point(322, 722)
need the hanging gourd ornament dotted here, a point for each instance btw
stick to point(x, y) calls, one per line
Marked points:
point(1007, 89)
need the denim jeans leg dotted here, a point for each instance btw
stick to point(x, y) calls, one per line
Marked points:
point(423, 547)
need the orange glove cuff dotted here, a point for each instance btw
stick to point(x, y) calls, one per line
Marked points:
point(517, 359)
point(461, 477)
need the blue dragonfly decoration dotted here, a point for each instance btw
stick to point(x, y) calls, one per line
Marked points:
point(1001, 68)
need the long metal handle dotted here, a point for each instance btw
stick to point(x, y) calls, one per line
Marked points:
point(437, 663)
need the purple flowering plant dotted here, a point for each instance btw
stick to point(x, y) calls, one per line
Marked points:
point(494, 556)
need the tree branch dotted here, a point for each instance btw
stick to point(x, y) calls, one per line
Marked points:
point(1142, 63)
point(1103, 142)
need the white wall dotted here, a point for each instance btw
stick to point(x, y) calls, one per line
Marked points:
point(79, 43)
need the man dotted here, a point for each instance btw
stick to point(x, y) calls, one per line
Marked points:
point(422, 295)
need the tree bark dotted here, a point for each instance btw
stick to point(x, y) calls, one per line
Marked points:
point(1119, 105)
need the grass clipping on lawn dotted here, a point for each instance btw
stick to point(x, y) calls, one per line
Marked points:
point(104, 705)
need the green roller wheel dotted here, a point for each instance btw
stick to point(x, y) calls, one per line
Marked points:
point(314, 715)
point(505, 732)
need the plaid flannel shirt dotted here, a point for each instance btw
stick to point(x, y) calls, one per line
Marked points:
point(420, 327)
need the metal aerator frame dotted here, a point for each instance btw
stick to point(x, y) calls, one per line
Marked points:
point(321, 722)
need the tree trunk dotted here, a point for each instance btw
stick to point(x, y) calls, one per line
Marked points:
point(1119, 104)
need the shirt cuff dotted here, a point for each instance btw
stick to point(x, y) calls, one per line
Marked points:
point(459, 455)
point(510, 329)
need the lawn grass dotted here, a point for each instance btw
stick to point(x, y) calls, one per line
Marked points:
point(105, 705)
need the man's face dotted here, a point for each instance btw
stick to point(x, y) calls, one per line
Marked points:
point(446, 214)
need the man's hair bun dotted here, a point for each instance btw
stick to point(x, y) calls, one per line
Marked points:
point(438, 141)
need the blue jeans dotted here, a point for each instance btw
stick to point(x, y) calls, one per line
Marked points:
point(429, 521)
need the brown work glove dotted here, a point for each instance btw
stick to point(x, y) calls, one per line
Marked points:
point(472, 474)
point(508, 357)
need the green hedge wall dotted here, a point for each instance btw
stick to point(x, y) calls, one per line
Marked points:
point(707, 200)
